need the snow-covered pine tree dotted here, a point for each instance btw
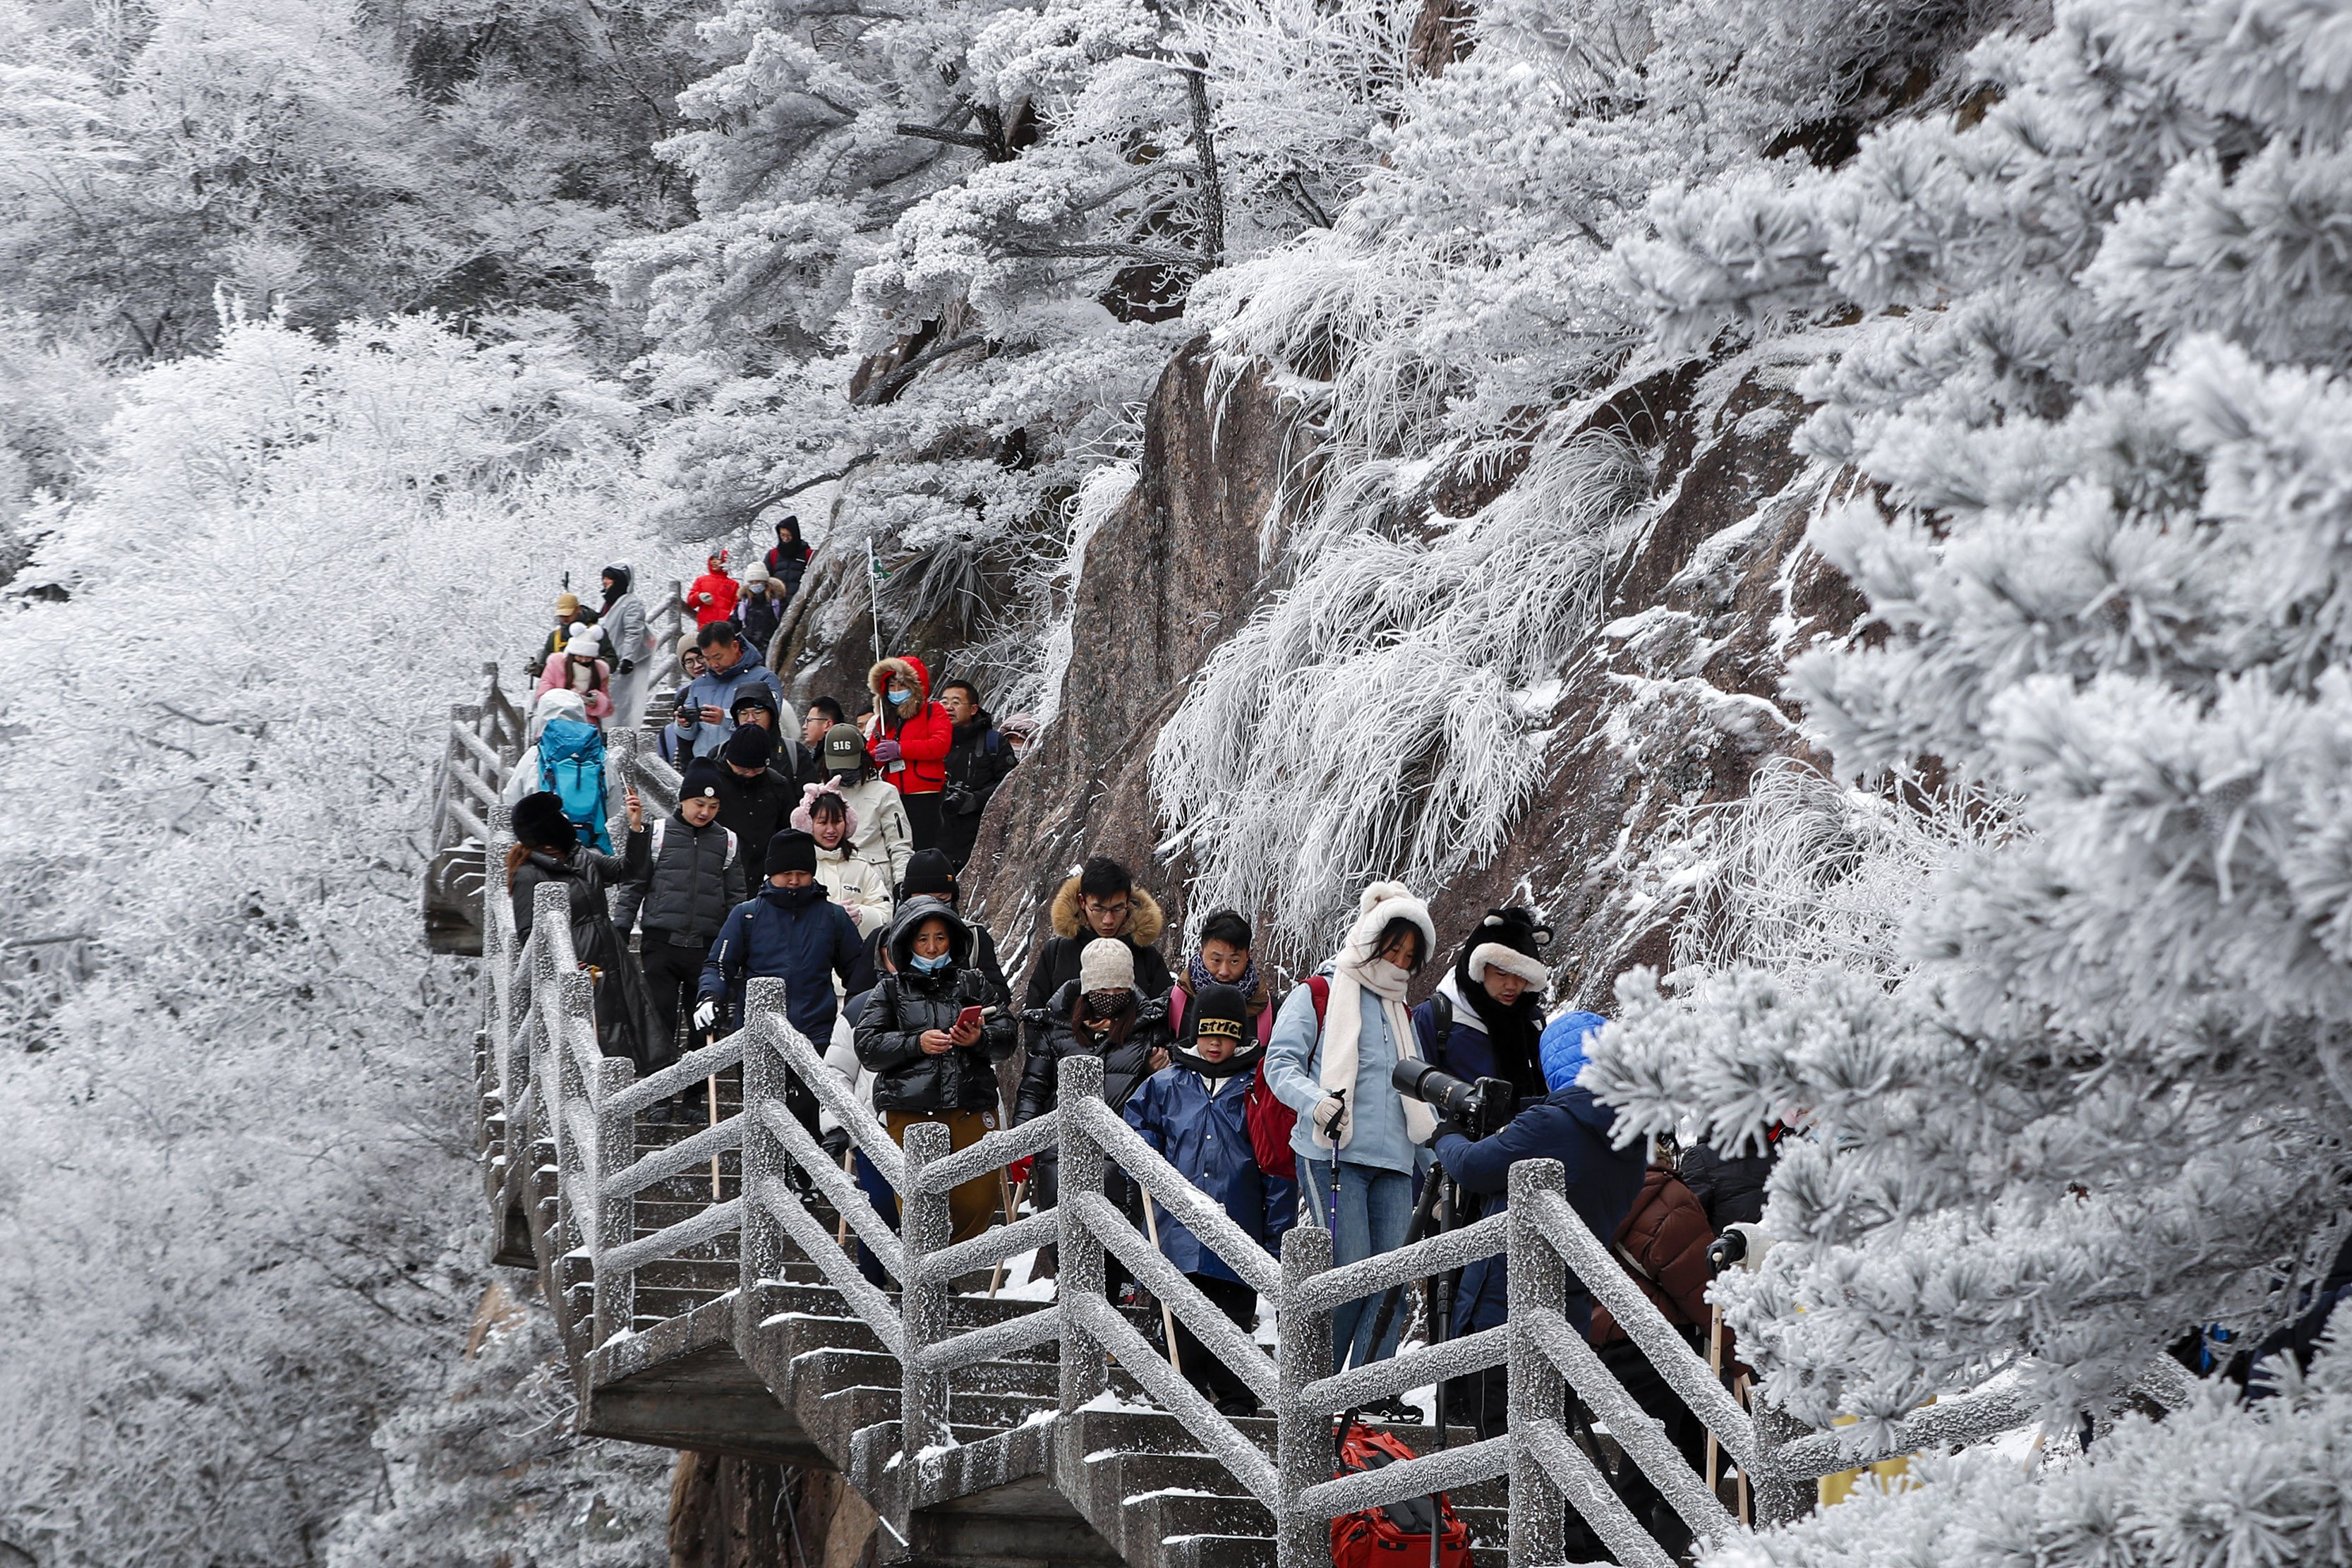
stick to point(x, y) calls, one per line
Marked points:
point(2095, 380)
point(963, 241)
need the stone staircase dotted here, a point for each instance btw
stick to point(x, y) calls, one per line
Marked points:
point(1015, 1434)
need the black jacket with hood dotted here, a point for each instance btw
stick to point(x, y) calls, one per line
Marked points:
point(1056, 964)
point(1126, 1063)
point(901, 1006)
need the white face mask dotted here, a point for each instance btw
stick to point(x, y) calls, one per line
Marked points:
point(899, 696)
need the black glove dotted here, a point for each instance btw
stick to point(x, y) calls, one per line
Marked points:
point(1038, 1018)
point(835, 1143)
point(628, 665)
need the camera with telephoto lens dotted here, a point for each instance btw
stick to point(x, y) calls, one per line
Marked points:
point(1484, 1108)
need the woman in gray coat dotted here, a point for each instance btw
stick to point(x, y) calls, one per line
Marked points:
point(628, 643)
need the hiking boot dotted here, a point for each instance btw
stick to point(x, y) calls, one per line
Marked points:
point(657, 1114)
point(1391, 1412)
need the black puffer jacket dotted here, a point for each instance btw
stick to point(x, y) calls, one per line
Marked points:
point(696, 880)
point(904, 1004)
point(1127, 1064)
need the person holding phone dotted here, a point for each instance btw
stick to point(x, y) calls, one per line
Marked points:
point(932, 1035)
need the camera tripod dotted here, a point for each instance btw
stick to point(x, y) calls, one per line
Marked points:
point(1436, 1212)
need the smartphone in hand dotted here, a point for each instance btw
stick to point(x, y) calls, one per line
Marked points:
point(967, 1019)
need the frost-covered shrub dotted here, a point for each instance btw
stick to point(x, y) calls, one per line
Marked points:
point(1392, 699)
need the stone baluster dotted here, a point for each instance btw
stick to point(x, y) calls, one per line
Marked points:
point(1302, 1435)
point(1085, 1373)
point(1538, 1394)
point(922, 1230)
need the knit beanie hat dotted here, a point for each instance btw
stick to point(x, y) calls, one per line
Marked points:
point(700, 780)
point(539, 823)
point(1564, 1041)
point(748, 747)
point(1221, 1011)
point(928, 876)
point(845, 749)
point(687, 645)
point(1107, 964)
point(1510, 941)
point(791, 850)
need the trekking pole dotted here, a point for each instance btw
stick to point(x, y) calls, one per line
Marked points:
point(1342, 1097)
point(1012, 1207)
point(1714, 1365)
point(1166, 1313)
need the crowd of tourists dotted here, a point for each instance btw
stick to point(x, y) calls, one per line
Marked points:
point(825, 848)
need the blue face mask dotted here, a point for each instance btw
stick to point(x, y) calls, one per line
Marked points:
point(899, 696)
point(933, 965)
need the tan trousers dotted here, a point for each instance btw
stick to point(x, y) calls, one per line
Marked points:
point(972, 1207)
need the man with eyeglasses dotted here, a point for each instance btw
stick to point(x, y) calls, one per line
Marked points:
point(1101, 901)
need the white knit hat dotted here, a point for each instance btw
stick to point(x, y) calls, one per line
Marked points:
point(1107, 964)
point(1381, 903)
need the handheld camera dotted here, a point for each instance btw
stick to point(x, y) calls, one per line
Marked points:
point(1484, 1108)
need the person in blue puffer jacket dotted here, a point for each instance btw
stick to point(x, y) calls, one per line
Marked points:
point(1570, 1126)
point(1194, 1112)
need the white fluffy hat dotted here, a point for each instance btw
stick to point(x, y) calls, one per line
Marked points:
point(1381, 903)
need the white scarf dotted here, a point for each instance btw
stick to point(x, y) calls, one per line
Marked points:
point(1353, 973)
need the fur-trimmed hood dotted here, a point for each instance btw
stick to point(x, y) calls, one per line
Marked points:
point(908, 669)
point(1144, 922)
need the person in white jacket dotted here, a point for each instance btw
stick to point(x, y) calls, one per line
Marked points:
point(855, 883)
point(882, 835)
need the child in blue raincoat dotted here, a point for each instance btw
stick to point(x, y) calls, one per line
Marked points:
point(1194, 1112)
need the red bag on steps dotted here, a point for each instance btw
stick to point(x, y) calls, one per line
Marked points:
point(1396, 1534)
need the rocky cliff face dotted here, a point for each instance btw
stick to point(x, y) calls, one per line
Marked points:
point(1674, 706)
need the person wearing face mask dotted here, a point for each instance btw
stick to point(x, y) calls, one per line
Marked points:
point(850, 880)
point(629, 644)
point(1099, 1014)
point(1336, 1042)
point(1194, 1112)
point(909, 739)
point(927, 1035)
point(791, 932)
point(1101, 901)
point(1486, 1017)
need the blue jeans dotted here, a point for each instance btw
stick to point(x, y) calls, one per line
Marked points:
point(1374, 1208)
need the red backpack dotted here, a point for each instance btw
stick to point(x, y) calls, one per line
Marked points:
point(1382, 1537)
point(1269, 1120)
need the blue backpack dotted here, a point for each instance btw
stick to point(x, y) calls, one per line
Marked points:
point(572, 765)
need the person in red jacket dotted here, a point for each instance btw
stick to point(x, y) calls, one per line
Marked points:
point(908, 738)
point(712, 597)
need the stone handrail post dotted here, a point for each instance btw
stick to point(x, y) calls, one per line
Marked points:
point(1538, 1394)
point(616, 1146)
point(764, 1072)
point(1778, 1498)
point(1085, 1374)
point(923, 1299)
point(1302, 1438)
